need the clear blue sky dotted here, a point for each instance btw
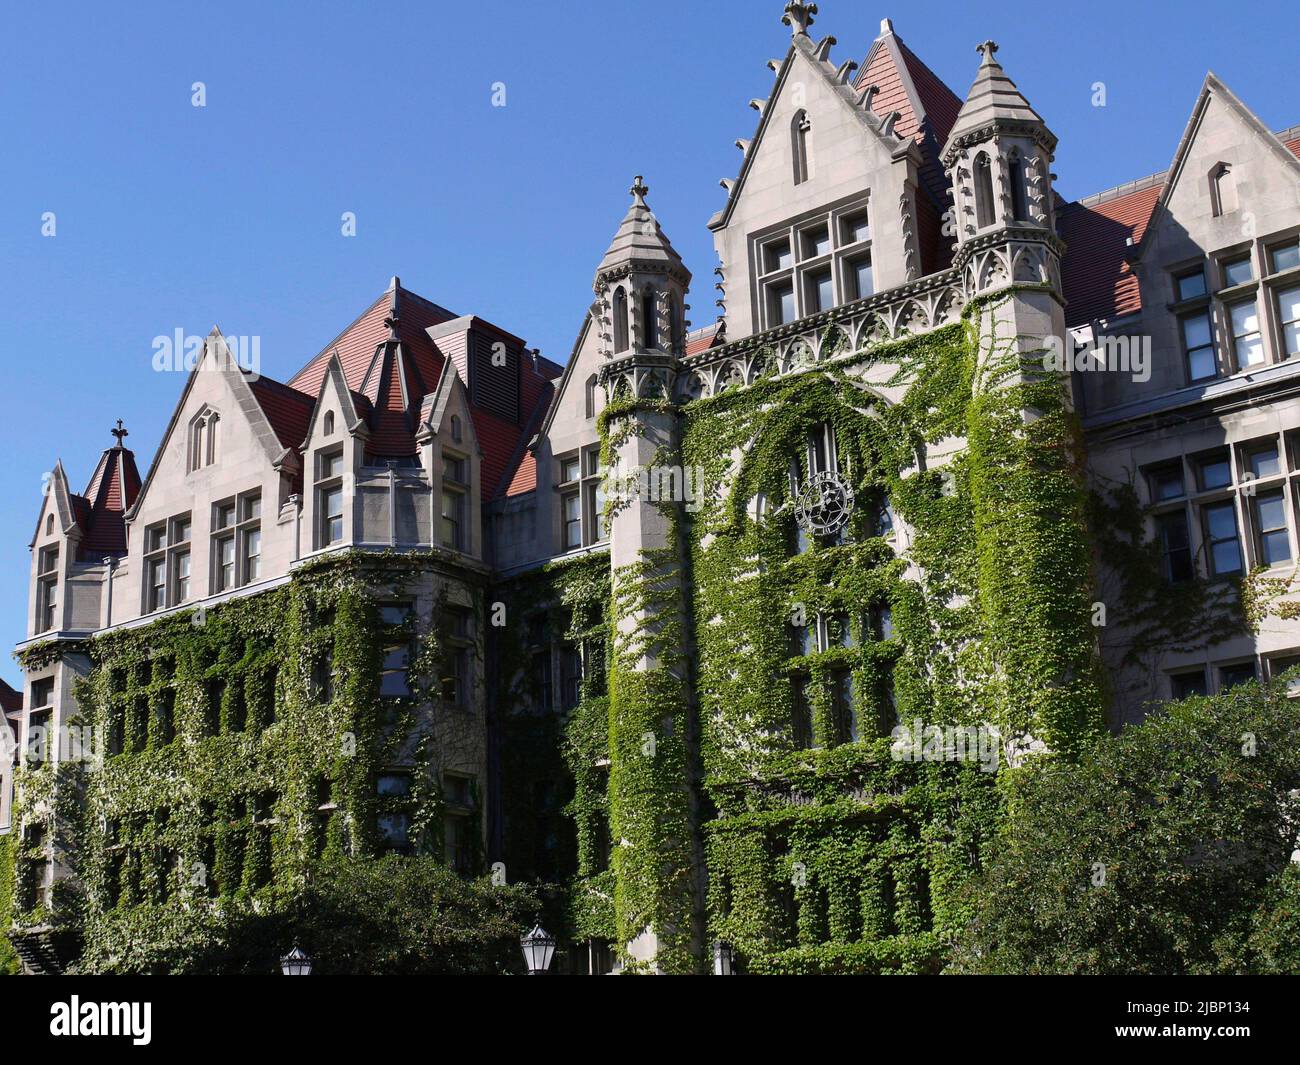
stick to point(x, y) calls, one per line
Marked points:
point(171, 216)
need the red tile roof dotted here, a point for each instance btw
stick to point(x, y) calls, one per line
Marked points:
point(1097, 279)
point(99, 510)
point(701, 339)
point(926, 110)
point(287, 409)
point(394, 388)
point(525, 476)
point(10, 701)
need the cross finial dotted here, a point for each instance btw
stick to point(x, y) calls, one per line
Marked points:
point(638, 191)
point(986, 49)
point(119, 432)
point(798, 17)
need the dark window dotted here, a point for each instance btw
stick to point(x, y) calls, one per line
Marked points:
point(1234, 675)
point(1175, 547)
point(1166, 482)
point(801, 725)
point(1238, 271)
point(1270, 526)
point(983, 191)
point(1185, 685)
point(1191, 284)
point(1222, 540)
point(1215, 471)
point(1198, 341)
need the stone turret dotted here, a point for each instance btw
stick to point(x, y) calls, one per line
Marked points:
point(641, 286)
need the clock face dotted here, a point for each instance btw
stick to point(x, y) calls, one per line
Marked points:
point(825, 505)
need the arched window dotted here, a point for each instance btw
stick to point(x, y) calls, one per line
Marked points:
point(1223, 190)
point(620, 320)
point(49, 524)
point(649, 319)
point(204, 439)
point(591, 396)
point(800, 127)
point(1016, 175)
point(983, 191)
point(214, 429)
point(329, 423)
point(676, 323)
point(455, 428)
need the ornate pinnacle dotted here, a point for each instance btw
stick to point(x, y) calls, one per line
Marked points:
point(986, 49)
point(798, 17)
point(119, 432)
point(638, 191)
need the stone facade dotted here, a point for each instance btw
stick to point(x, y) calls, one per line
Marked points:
point(864, 212)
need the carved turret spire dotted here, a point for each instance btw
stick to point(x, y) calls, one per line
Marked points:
point(799, 17)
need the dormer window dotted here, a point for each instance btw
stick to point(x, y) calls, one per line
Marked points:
point(329, 498)
point(800, 127)
point(47, 588)
point(983, 191)
point(203, 442)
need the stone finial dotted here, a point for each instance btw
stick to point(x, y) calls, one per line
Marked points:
point(119, 432)
point(886, 27)
point(638, 191)
point(798, 17)
point(986, 49)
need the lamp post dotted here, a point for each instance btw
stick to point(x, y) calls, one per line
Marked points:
point(721, 958)
point(295, 963)
point(539, 949)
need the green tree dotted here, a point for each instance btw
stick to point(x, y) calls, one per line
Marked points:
point(1165, 849)
point(392, 916)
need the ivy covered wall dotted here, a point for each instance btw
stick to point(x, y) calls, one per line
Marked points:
point(823, 851)
point(243, 746)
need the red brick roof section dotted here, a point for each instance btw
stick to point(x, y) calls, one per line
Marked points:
point(1097, 280)
point(498, 439)
point(356, 345)
point(898, 84)
point(525, 476)
point(706, 339)
point(11, 702)
point(287, 409)
point(112, 490)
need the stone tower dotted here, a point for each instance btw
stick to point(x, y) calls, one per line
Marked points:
point(641, 286)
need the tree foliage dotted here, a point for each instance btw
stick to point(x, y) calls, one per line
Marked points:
point(1165, 850)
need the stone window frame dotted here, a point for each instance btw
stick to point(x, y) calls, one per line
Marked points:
point(846, 248)
point(47, 588)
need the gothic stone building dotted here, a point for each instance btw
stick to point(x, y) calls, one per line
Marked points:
point(655, 627)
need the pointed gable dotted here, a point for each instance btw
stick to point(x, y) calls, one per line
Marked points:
point(357, 344)
point(1220, 131)
point(926, 109)
point(251, 394)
